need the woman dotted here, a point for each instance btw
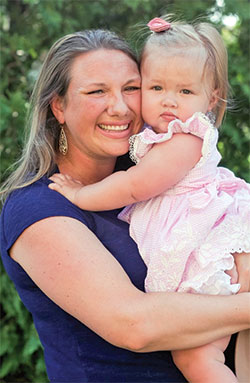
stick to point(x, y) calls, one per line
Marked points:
point(78, 272)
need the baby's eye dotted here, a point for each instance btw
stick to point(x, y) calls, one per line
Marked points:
point(186, 91)
point(157, 87)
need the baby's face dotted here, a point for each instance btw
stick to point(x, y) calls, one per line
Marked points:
point(173, 86)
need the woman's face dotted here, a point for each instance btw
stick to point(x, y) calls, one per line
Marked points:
point(102, 105)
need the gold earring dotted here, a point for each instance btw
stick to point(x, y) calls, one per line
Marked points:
point(63, 143)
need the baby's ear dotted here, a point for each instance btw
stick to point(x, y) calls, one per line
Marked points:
point(213, 99)
point(57, 107)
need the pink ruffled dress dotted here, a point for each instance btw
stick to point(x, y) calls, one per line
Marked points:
point(187, 234)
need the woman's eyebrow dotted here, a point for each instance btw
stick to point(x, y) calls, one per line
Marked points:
point(133, 80)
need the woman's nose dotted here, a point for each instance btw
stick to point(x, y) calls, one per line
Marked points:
point(117, 106)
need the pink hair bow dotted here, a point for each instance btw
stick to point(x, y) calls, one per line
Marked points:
point(158, 25)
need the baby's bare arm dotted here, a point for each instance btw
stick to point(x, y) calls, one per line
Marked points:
point(161, 168)
point(66, 186)
point(107, 194)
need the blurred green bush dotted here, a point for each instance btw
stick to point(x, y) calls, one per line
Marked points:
point(28, 29)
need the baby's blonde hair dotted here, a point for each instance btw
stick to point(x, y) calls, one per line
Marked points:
point(181, 36)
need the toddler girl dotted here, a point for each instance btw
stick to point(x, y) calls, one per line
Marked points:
point(186, 214)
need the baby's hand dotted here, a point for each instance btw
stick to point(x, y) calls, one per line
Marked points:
point(66, 185)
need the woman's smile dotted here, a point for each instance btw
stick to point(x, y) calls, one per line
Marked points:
point(113, 127)
point(102, 108)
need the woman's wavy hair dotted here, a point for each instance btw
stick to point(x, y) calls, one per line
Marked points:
point(182, 36)
point(42, 130)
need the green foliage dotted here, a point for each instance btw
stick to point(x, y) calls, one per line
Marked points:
point(20, 346)
point(235, 133)
point(28, 28)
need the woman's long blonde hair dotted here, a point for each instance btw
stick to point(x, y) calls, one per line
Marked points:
point(41, 146)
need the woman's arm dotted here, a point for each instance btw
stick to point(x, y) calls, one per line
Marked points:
point(77, 272)
point(161, 168)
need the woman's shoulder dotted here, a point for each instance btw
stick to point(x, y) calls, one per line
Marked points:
point(32, 203)
point(35, 199)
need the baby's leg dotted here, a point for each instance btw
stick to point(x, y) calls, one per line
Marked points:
point(205, 364)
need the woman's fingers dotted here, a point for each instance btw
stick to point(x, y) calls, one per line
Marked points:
point(242, 262)
point(233, 274)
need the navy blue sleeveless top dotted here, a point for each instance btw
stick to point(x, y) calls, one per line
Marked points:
point(74, 353)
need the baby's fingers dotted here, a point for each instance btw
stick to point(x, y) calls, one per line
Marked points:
point(55, 186)
point(64, 179)
point(59, 178)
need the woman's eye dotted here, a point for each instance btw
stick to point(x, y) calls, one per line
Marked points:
point(186, 91)
point(132, 88)
point(97, 91)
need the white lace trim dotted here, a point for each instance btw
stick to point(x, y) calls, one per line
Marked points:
point(132, 149)
point(214, 255)
point(211, 279)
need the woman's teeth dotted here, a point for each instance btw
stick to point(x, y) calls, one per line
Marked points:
point(113, 127)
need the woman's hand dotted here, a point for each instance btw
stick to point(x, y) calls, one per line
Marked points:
point(233, 273)
point(242, 262)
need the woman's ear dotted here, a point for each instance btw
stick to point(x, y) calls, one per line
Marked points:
point(213, 100)
point(57, 107)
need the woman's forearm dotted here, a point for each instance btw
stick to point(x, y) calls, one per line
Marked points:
point(116, 309)
point(170, 321)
